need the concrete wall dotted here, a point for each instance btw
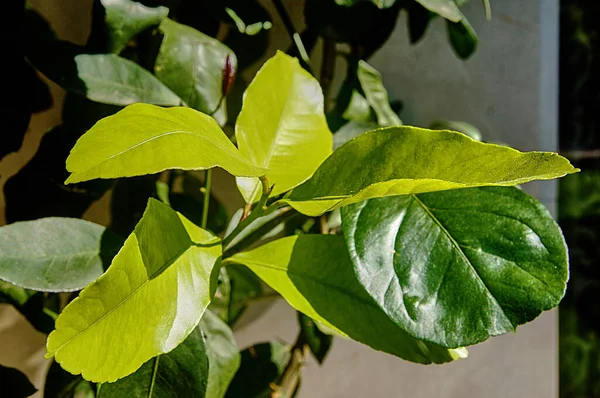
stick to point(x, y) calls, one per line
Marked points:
point(508, 89)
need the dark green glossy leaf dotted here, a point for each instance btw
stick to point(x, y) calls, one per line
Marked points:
point(193, 65)
point(457, 267)
point(182, 372)
point(314, 274)
point(404, 160)
point(223, 354)
point(30, 304)
point(318, 342)
point(126, 18)
point(51, 254)
point(463, 38)
point(462, 127)
point(376, 94)
point(15, 383)
point(261, 365)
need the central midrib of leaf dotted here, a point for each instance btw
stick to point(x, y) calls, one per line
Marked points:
point(462, 255)
point(162, 135)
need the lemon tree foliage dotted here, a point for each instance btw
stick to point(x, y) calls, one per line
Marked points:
point(414, 242)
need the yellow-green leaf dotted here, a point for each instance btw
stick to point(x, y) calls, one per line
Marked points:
point(408, 160)
point(150, 299)
point(282, 126)
point(146, 139)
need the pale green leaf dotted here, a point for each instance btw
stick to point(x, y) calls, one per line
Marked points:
point(377, 95)
point(182, 372)
point(192, 64)
point(51, 254)
point(404, 160)
point(150, 299)
point(145, 139)
point(445, 8)
point(223, 354)
point(282, 126)
point(460, 266)
point(125, 19)
point(455, 125)
point(314, 274)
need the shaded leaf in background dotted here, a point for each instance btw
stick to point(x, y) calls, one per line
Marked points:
point(125, 19)
point(282, 126)
point(579, 196)
point(363, 24)
point(191, 64)
point(38, 189)
point(351, 130)
point(157, 139)
point(463, 38)
point(461, 127)
point(376, 94)
point(245, 286)
point(51, 254)
point(487, 260)
point(418, 20)
point(182, 372)
point(314, 274)
point(223, 354)
point(403, 160)
point(318, 342)
point(166, 257)
point(61, 384)
point(261, 366)
point(30, 304)
point(16, 383)
point(445, 8)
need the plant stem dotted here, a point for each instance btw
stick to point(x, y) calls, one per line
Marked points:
point(327, 68)
point(206, 201)
point(291, 375)
point(258, 211)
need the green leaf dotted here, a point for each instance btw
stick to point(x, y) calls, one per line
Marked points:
point(15, 383)
point(192, 64)
point(223, 355)
point(61, 384)
point(245, 286)
point(145, 139)
point(261, 366)
point(445, 8)
point(404, 160)
point(150, 299)
point(579, 196)
point(182, 372)
point(110, 79)
point(461, 127)
point(460, 266)
point(463, 37)
point(51, 254)
point(318, 342)
point(351, 130)
point(282, 126)
point(125, 19)
point(377, 95)
point(314, 274)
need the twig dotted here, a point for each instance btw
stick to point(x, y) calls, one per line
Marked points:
point(206, 201)
point(291, 375)
point(327, 68)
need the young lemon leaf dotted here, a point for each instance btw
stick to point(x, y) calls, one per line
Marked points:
point(150, 299)
point(314, 274)
point(457, 267)
point(282, 126)
point(145, 139)
point(404, 160)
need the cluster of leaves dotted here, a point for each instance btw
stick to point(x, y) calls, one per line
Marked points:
point(420, 232)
